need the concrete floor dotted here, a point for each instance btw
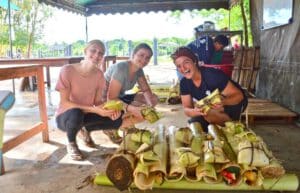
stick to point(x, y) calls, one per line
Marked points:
point(40, 167)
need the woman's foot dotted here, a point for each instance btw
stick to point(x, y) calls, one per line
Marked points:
point(74, 151)
point(113, 135)
point(86, 137)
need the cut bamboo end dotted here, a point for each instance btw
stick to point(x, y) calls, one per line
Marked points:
point(120, 171)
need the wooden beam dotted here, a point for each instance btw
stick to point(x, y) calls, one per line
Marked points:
point(10, 144)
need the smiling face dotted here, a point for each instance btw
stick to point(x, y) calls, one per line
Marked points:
point(94, 52)
point(186, 66)
point(141, 58)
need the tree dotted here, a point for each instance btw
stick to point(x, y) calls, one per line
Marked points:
point(31, 22)
point(27, 24)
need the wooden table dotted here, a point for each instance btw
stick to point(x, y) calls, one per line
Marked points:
point(18, 71)
point(46, 62)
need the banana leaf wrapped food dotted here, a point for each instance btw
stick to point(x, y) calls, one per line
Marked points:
point(142, 136)
point(150, 114)
point(206, 103)
point(113, 105)
point(128, 145)
point(252, 154)
point(184, 135)
point(274, 169)
point(187, 158)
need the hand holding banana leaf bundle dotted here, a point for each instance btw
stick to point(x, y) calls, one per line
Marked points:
point(113, 105)
point(208, 102)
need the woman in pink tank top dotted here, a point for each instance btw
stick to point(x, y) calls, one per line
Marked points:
point(81, 106)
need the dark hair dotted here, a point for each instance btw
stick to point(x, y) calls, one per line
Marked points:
point(222, 39)
point(184, 51)
point(142, 46)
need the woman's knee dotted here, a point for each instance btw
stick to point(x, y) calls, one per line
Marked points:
point(72, 118)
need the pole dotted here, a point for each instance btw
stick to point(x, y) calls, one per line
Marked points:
point(10, 42)
point(86, 29)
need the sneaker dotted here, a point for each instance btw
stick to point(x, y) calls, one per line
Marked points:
point(86, 138)
point(113, 135)
point(74, 152)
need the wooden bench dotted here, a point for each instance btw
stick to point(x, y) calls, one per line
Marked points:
point(26, 70)
point(266, 109)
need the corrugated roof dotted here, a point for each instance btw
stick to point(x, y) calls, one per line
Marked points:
point(89, 7)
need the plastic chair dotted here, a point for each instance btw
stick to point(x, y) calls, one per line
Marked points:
point(7, 100)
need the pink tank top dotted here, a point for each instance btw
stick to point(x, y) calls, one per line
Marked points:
point(83, 89)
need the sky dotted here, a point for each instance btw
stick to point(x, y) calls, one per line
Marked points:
point(70, 27)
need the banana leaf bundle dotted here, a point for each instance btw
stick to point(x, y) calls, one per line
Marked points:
point(274, 169)
point(184, 135)
point(187, 158)
point(206, 103)
point(150, 114)
point(130, 146)
point(142, 136)
point(252, 154)
point(113, 105)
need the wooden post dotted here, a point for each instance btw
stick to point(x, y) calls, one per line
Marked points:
point(155, 51)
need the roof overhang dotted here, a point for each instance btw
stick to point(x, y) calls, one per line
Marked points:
point(90, 7)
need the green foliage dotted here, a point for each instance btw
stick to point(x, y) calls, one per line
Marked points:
point(27, 25)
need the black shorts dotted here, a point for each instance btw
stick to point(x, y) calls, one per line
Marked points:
point(128, 98)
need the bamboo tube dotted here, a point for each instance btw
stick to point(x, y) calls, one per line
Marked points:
point(208, 173)
point(176, 171)
point(130, 146)
point(159, 169)
point(231, 172)
point(287, 182)
point(142, 178)
point(218, 135)
point(153, 163)
point(121, 165)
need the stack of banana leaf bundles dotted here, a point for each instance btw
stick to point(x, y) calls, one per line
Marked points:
point(226, 158)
